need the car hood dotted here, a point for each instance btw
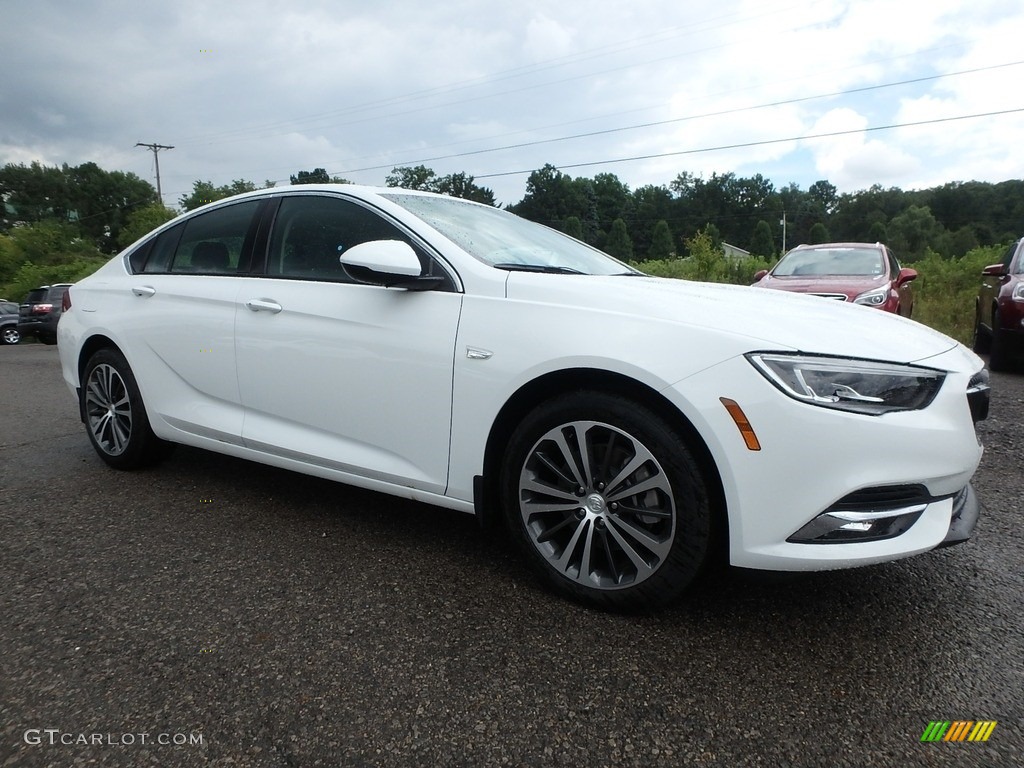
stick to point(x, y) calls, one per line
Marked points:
point(767, 319)
point(852, 286)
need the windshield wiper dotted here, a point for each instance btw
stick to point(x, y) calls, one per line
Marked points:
point(547, 268)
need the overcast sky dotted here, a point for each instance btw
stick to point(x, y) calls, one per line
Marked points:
point(260, 90)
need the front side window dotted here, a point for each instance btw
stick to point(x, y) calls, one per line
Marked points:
point(312, 233)
point(212, 243)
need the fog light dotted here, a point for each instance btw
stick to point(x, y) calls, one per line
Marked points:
point(844, 527)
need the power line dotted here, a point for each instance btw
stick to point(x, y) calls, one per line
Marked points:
point(655, 124)
point(764, 142)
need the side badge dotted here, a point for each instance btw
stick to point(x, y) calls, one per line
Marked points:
point(475, 353)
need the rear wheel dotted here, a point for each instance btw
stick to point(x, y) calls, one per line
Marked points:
point(115, 416)
point(607, 501)
point(10, 335)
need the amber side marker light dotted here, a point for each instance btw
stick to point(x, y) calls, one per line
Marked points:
point(742, 423)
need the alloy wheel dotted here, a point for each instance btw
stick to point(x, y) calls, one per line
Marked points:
point(108, 409)
point(597, 505)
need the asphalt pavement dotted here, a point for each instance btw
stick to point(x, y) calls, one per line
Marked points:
point(212, 611)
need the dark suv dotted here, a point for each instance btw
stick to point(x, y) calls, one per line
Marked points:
point(999, 312)
point(9, 333)
point(40, 312)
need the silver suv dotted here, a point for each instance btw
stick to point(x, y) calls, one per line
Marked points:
point(9, 333)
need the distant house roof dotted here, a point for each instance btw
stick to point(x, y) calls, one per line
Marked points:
point(733, 252)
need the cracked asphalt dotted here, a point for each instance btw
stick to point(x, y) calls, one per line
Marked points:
point(272, 619)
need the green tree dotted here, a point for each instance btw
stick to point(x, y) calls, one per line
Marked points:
point(461, 185)
point(819, 233)
point(913, 231)
point(316, 176)
point(619, 245)
point(574, 227)
point(419, 177)
point(878, 232)
point(142, 221)
point(552, 197)
point(204, 192)
point(662, 244)
point(763, 242)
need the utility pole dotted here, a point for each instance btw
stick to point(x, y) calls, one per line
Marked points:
point(156, 149)
point(782, 221)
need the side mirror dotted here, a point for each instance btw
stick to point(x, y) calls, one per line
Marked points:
point(391, 263)
point(759, 274)
point(994, 270)
point(905, 276)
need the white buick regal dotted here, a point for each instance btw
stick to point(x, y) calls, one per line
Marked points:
point(626, 429)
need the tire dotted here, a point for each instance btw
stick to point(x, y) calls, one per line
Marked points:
point(601, 544)
point(115, 417)
point(999, 354)
point(982, 341)
point(10, 335)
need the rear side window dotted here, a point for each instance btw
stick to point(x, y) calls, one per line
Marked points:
point(56, 295)
point(212, 243)
point(158, 252)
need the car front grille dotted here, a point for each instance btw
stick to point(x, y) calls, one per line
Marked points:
point(836, 296)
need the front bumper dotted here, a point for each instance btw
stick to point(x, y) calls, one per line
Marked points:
point(813, 460)
point(966, 511)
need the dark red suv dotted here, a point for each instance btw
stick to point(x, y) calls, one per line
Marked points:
point(861, 273)
point(999, 310)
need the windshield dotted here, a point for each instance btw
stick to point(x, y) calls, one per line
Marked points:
point(831, 262)
point(506, 241)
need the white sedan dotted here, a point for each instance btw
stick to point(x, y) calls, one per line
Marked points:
point(626, 429)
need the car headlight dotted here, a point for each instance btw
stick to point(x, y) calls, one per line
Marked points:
point(860, 386)
point(873, 298)
point(1018, 291)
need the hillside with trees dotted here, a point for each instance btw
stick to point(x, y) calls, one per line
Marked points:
point(62, 223)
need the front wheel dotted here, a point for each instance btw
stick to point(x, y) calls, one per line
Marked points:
point(607, 501)
point(999, 354)
point(115, 417)
point(982, 340)
point(10, 335)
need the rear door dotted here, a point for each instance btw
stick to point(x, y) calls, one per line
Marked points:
point(181, 337)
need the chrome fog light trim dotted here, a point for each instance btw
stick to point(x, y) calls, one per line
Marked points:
point(845, 526)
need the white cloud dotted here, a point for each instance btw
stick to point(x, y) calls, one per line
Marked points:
point(346, 86)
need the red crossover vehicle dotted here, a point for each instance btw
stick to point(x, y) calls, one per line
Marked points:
point(863, 273)
point(999, 311)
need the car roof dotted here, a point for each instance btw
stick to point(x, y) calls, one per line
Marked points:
point(808, 247)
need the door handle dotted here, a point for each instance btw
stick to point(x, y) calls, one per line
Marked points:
point(264, 305)
point(144, 290)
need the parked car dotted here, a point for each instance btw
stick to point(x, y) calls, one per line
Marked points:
point(9, 333)
point(999, 310)
point(40, 312)
point(627, 429)
point(862, 273)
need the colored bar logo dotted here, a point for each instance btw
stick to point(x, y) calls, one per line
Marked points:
point(958, 730)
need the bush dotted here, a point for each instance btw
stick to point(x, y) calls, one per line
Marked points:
point(31, 276)
point(706, 263)
point(946, 289)
point(944, 292)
